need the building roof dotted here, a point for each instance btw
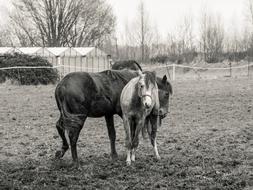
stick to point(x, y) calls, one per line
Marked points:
point(84, 50)
point(58, 51)
point(4, 50)
point(54, 51)
point(29, 50)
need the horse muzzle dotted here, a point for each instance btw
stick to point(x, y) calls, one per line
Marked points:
point(147, 101)
point(162, 114)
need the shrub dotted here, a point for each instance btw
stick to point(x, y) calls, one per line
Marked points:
point(186, 57)
point(159, 59)
point(27, 76)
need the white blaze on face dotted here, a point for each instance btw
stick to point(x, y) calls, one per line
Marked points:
point(144, 92)
point(147, 95)
point(147, 101)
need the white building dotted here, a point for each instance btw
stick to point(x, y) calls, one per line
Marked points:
point(89, 59)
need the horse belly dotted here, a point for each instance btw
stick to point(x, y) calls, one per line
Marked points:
point(100, 108)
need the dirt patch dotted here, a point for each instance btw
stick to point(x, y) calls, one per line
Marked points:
point(205, 142)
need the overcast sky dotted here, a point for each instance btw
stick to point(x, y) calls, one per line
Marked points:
point(167, 14)
point(4, 7)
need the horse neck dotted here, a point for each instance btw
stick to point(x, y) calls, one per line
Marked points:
point(128, 75)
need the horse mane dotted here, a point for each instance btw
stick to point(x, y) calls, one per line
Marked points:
point(124, 75)
point(126, 64)
point(138, 65)
point(160, 84)
point(150, 76)
point(170, 88)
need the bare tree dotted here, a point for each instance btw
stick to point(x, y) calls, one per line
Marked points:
point(143, 34)
point(129, 42)
point(184, 38)
point(158, 46)
point(203, 31)
point(249, 11)
point(172, 44)
point(63, 22)
point(180, 43)
point(142, 29)
point(249, 35)
point(96, 23)
point(6, 37)
point(212, 37)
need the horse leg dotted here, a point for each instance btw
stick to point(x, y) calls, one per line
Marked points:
point(128, 139)
point(73, 133)
point(135, 142)
point(60, 153)
point(73, 137)
point(112, 135)
point(133, 154)
point(154, 124)
point(144, 129)
point(138, 128)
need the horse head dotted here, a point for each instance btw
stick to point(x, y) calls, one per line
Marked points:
point(146, 84)
point(165, 90)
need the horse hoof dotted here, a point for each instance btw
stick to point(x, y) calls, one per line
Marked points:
point(76, 165)
point(59, 154)
point(128, 163)
point(158, 157)
point(114, 156)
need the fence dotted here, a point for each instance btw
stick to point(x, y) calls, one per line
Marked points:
point(185, 72)
point(61, 68)
point(174, 71)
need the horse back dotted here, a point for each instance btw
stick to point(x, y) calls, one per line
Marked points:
point(95, 94)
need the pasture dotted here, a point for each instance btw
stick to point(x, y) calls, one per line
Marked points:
point(206, 142)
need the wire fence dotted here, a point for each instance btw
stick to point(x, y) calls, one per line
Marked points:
point(184, 72)
point(175, 71)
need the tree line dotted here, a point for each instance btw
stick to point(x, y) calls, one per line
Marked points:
point(211, 43)
point(56, 23)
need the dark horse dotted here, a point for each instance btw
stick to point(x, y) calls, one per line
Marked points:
point(126, 64)
point(80, 95)
point(165, 88)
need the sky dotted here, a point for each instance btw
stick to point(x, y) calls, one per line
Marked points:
point(4, 7)
point(166, 15)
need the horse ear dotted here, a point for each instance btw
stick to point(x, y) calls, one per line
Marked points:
point(164, 79)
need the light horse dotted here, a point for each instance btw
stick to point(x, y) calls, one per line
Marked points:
point(139, 100)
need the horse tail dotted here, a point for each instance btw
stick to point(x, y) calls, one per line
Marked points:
point(70, 120)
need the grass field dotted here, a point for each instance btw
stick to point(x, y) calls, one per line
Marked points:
point(206, 142)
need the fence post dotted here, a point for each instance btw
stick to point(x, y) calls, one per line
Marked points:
point(174, 72)
point(58, 61)
point(230, 69)
point(248, 67)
